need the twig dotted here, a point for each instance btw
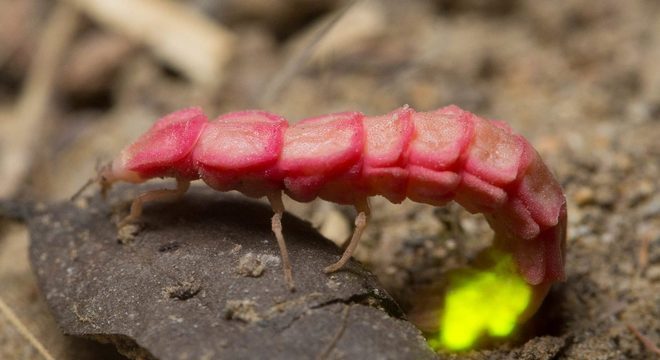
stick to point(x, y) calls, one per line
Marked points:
point(12, 47)
point(87, 184)
point(190, 42)
point(16, 210)
point(34, 102)
point(643, 256)
point(648, 344)
point(326, 352)
point(294, 64)
point(23, 330)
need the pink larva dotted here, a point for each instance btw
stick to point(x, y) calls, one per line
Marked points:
point(430, 157)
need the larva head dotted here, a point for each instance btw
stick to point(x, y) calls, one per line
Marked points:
point(103, 172)
point(104, 178)
point(109, 173)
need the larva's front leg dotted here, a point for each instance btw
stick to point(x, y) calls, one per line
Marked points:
point(275, 200)
point(360, 224)
point(162, 194)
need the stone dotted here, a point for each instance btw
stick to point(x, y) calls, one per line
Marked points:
point(174, 292)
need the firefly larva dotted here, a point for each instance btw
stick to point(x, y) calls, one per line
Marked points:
point(429, 157)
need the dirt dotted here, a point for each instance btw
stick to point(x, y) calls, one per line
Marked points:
point(579, 79)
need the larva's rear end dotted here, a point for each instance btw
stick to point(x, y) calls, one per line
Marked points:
point(503, 177)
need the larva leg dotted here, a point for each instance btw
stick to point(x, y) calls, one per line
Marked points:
point(360, 225)
point(162, 194)
point(276, 225)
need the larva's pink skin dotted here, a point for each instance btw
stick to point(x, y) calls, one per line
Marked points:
point(164, 150)
point(239, 151)
point(429, 157)
point(319, 154)
point(384, 171)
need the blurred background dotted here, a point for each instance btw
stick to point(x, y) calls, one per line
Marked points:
point(80, 79)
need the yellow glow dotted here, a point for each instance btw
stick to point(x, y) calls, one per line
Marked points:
point(484, 301)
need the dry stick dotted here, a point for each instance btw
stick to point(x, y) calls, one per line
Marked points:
point(23, 330)
point(87, 184)
point(7, 53)
point(35, 99)
point(644, 251)
point(648, 344)
point(274, 87)
point(335, 339)
point(187, 40)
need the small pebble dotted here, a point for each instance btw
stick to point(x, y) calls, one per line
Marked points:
point(653, 273)
point(584, 196)
point(250, 265)
point(242, 310)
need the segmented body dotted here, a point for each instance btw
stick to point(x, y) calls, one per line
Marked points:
point(429, 157)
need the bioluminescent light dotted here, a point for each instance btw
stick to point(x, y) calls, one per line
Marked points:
point(482, 301)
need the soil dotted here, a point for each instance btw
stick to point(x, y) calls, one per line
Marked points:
point(579, 79)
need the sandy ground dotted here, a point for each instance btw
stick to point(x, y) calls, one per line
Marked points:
point(579, 79)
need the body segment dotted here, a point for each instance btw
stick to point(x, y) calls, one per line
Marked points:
point(239, 151)
point(165, 150)
point(385, 158)
point(321, 152)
